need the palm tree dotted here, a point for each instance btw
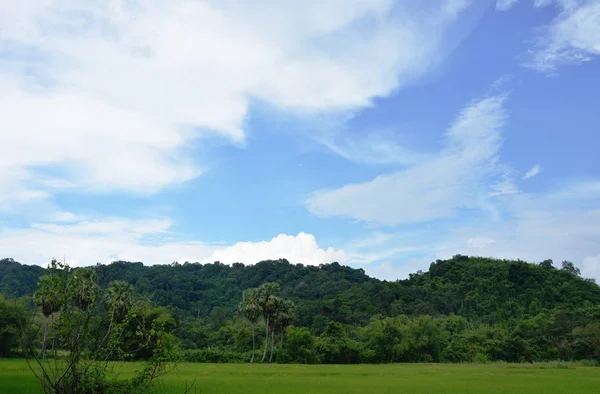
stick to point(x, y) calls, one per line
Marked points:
point(119, 298)
point(251, 310)
point(85, 287)
point(48, 295)
point(268, 302)
point(281, 320)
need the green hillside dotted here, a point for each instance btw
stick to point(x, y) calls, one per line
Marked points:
point(472, 307)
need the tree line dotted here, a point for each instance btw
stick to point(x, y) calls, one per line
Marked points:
point(464, 309)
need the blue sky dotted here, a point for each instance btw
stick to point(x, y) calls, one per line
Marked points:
point(379, 134)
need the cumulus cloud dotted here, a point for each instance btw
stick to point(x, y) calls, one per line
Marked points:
point(432, 189)
point(302, 248)
point(151, 241)
point(107, 96)
point(535, 170)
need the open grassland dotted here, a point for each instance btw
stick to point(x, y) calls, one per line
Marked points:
point(15, 378)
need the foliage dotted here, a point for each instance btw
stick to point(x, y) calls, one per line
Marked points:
point(334, 346)
point(214, 355)
point(12, 316)
point(464, 309)
point(299, 346)
point(77, 342)
point(276, 312)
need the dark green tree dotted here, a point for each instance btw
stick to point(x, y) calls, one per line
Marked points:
point(249, 307)
point(570, 268)
point(12, 317)
point(268, 301)
point(70, 300)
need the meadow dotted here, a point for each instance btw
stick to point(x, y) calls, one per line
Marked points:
point(15, 378)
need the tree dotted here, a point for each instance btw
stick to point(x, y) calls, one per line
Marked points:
point(68, 300)
point(570, 268)
point(12, 316)
point(503, 310)
point(587, 341)
point(251, 310)
point(299, 345)
point(268, 301)
point(282, 318)
point(381, 338)
point(276, 312)
point(50, 295)
point(85, 287)
point(119, 299)
point(547, 263)
point(334, 346)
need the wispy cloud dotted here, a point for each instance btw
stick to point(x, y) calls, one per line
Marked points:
point(535, 170)
point(572, 38)
point(65, 217)
point(433, 189)
point(505, 5)
point(561, 224)
point(505, 187)
point(372, 148)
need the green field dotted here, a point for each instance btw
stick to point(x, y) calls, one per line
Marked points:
point(15, 378)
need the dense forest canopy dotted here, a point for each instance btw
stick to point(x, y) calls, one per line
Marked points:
point(484, 289)
point(469, 306)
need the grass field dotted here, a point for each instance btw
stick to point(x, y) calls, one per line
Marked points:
point(15, 378)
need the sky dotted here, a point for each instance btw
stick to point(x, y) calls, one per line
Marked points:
point(376, 133)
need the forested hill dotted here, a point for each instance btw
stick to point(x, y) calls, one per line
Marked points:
point(480, 289)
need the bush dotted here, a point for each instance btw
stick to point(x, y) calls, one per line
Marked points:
point(299, 346)
point(214, 355)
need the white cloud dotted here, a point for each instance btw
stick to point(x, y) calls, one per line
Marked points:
point(432, 189)
point(590, 267)
point(107, 96)
point(479, 242)
point(561, 225)
point(372, 148)
point(14, 193)
point(535, 170)
point(376, 239)
point(506, 186)
point(572, 38)
point(389, 270)
point(505, 5)
point(302, 248)
point(150, 241)
point(62, 216)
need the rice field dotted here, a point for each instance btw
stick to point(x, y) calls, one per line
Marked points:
point(15, 378)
